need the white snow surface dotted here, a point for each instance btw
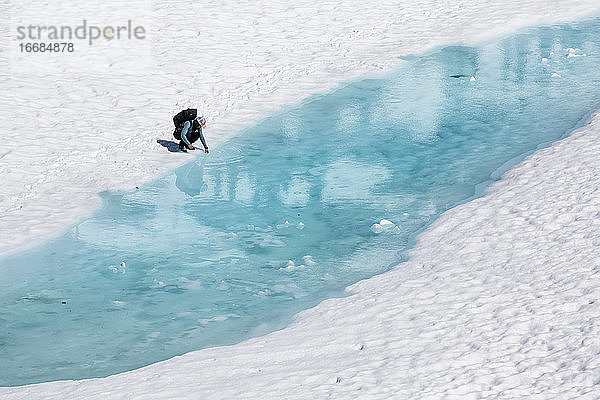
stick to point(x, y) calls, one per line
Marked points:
point(501, 296)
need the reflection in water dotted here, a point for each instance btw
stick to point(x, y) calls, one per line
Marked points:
point(347, 181)
point(190, 177)
point(278, 218)
point(295, 193)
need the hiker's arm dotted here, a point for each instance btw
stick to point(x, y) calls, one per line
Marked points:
point(202, 140)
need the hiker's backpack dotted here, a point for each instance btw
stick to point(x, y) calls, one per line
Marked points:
point(179, 119)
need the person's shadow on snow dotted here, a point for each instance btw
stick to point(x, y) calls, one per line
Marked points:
point(169, 144)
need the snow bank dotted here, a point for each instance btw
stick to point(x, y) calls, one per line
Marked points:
point(74, 124)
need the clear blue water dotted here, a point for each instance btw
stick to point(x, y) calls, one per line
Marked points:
point(206, 247)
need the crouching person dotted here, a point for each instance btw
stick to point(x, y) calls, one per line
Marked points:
point(188, 129)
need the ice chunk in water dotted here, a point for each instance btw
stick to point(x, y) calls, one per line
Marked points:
point(376, 228)
point(387, 225)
